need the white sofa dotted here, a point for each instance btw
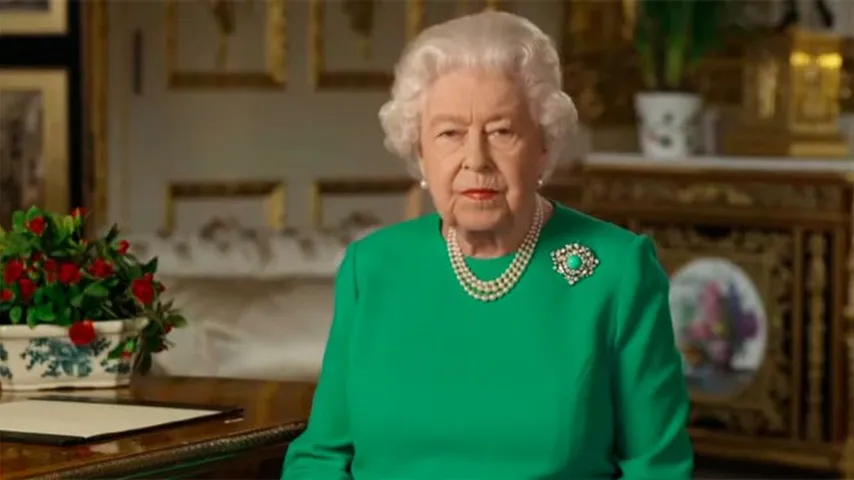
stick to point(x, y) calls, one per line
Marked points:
point(259, 305)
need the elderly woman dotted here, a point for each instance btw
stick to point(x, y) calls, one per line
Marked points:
point(506, 337)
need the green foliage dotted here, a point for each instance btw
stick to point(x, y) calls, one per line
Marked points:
point(672, 36)
point(50, 274)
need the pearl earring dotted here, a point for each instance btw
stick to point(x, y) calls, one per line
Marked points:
point(423, 184)
point(540, 182)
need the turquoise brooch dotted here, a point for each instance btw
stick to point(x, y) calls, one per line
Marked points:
point(575, 262)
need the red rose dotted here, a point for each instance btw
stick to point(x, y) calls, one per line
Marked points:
point(13, 271)
point(123, 247)
point(143, 290)
point(82, 333)
point(69, 274)
point(6, 295)
point(79, 212)
point(101, 268)
point(37, 225)
point(28, 288)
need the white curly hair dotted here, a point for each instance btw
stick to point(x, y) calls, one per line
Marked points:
point(492, 40)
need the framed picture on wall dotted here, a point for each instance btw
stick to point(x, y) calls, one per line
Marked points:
point(343, 203)
point(33, 17)
point(33, 141)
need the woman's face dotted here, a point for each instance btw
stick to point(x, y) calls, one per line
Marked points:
point(481, 150)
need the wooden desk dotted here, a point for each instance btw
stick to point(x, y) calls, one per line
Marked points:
point(275, 413)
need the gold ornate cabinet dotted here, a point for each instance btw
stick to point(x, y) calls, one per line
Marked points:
point(759, 254)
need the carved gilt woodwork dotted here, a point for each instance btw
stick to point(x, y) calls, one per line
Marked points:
point(761, 406)
point(791, 232)
point(792, 93)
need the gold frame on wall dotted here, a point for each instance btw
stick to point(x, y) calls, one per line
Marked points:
point(272, 191)
point(324, 79)
point(276, 54)
point(25, 22)
point(53, 85)
point(326, 187)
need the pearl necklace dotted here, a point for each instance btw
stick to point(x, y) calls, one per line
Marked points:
point(491, 290)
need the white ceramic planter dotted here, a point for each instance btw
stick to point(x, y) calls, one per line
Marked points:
point(668, 124)
point(44, 358)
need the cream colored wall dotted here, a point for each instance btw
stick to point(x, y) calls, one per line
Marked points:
point(296, 134)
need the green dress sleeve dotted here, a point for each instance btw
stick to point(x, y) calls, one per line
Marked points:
point(651, 398)
point(324, 451)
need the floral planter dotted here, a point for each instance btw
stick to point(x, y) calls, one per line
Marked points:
point(669, 124)
point(44, 357)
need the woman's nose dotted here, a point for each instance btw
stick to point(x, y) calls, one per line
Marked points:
point(477, 153)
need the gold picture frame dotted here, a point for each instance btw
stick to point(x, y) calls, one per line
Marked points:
point(33, 113)
point(754, 403)
point(332, 187)
point(272, 191)
point(276, 54)
point(49, 18)
point(323, 79)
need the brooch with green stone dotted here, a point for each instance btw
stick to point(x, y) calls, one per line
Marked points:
point(575, 262)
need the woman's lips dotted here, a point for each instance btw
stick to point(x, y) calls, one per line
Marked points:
point(480, 193)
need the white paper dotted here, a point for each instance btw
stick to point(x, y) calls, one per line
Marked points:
point(86, 420)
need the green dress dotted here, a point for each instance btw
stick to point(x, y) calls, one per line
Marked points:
point(554, 381)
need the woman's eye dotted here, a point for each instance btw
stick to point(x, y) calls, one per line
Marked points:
point(449, 133)
point(501, 132)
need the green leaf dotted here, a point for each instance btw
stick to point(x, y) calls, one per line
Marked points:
point(67, 225)
point(672, 36)
point(116, 351)
point(34, 212)
point(151, 266)
point(134, 271)
point(18, 221)
point(38, 298)
point(63, 317)
point(77, 301)
point(54, 294)
point(176, 320)
point(31, 318)
point(112, 235)
point(96, 290)
point(15, 315)
point(44, 313)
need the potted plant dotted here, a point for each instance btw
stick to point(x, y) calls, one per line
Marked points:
point(75, 312)
point(672, 37)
